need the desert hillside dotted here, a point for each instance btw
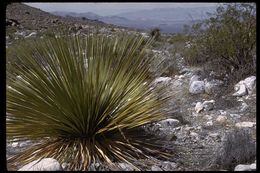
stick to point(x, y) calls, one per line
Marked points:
point(202, 81)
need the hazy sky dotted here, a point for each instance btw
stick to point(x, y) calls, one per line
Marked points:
point(111, 8)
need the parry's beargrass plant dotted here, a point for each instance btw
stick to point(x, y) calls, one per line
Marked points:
point(85, 98)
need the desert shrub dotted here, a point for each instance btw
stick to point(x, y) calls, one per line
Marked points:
point(155, 32)
point(227, 40)
point(84, 102)
point(112, 29)
point(238, 147)
point(179, 42)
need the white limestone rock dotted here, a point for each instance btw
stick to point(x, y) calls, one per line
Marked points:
point(168, 166)
point(156, 168)
point(46, 164)
point(209, 123)
point(33, 34)
point(199, 107)
point(241, 167)
point(197, 87)
point(125, 167)
point(250, 83)
point(221, 119)
point(170, 122)
point(240, 90)
point(246, 86)
point(194, 78)
point(208, 105)
point(244, 107)
point(15, 144)
point(162, 80)
point(245, 124)
point(253, 166)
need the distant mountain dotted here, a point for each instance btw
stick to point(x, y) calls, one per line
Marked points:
point(169, 20)
point(121, 21)
point(169, 14)
point(34, 18)
point(88, 15)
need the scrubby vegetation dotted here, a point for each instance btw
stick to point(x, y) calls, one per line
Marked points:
point(155, 32)
point(98, 97)
point(238, 147)
point(85, 97)
point(226, 42)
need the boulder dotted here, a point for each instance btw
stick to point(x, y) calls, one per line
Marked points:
point(23, 144)
point(240, 90)
point(46, 164)
point(242, 168)
point(209, 123)
point(222, 112)
point(15, 144)
point(245, 124)
point(21, 34)
point(253, 166)
point(208, 105)
point(199, 107)
point(156, 168)
point(197, 87)
point(145, 35)
point(33, 34)
point(244, 107)
point(246, 86)
point(221, 119)
point(234, 115)
point(181, 77)
point(194, 78)
point(162, 80)
point(170, 122)
point(168, 166)
point(125, 167)
point(250, 83)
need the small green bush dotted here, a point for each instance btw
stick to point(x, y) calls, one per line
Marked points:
point(155, 32)
point(238, 147)
point(227, 40)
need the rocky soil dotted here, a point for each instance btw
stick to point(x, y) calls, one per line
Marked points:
point(207, 128)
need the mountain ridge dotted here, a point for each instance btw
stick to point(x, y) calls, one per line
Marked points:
point(34, 18)
point(168, 20)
